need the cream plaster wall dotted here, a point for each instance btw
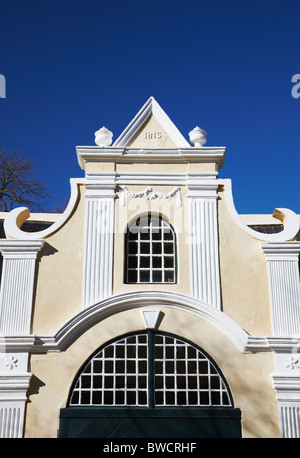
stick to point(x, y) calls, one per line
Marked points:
point(58, 294)
point(244, 276)
point(54, 373)
point(149, 167)
point(245, 299)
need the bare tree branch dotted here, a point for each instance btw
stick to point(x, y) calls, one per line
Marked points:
point(18, 185)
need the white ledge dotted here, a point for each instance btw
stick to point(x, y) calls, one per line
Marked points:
point(289, 219)
point(18, 216)
point(154, 155)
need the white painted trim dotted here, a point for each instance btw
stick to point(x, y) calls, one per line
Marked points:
point(281, 251)
point(36, 217)
point(260, 220)
point(205, 275)
point(18, 216)
point(287, 388)
point(153, 155)
point(16, 294)
point(289, 415)
point(151, 178)
point(288, 396)
point(115, 304)
point(45, 343)
point(13, 389)
point(17, 343)
point(99, 237)
point(20, 249)
point(151, 107)
point(265, 344)
point(284, 286)
point(289, 219)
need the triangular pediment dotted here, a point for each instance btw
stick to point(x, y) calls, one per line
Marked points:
point(151, 128)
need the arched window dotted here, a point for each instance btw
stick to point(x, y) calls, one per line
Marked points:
point(150, 251)
point(150, 369)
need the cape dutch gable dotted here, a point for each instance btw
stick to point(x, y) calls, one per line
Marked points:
point(150, 248)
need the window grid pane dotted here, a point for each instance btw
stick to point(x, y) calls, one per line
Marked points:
point(150, 251)
point(117, 375)
point(185, 376)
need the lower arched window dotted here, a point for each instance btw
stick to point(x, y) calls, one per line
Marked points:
point(150, 369)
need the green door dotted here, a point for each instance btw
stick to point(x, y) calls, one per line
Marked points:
point(150, 385)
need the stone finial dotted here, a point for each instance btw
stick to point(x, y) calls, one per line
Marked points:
point(103, 137)
point(198, 137)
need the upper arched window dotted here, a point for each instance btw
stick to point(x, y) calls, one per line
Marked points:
point(150, 251)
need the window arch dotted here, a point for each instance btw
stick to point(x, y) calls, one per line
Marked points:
point(150, 369)
point(150, 254)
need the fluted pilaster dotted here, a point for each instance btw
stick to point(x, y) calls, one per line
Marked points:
point(284, 286)
point(99, 234)
point(17, 283)
point(205, 276)
point(16, 302)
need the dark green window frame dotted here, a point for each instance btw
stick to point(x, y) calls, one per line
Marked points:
point(134, 270)
point(152, 385)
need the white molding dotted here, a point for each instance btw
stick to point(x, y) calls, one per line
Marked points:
point(99, 236)
point(17, 343)
point(150, 194)
point(281, 251)
point(288, 397)
point(18, 216)
point(100, 185)
point(45, 343)
point(205, 274)
point(287, 388)
point(13, 397)
point(151, 107)
point(116, 304)
point(16, 294)
point(284, 286)
point(20, 249)
point(289, 414)
point(276, 344)
point(16, 301)
point(289, 219)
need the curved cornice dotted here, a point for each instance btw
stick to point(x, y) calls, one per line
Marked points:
point(90, 316)
point(18, 216)
point(289, 219)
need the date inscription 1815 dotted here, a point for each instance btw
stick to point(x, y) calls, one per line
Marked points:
point(150, 135)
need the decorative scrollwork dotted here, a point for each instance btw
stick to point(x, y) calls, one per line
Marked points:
point(150, 194)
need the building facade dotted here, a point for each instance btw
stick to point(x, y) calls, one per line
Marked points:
point(150, 308)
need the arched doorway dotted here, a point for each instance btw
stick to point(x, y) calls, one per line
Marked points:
point(150, 384)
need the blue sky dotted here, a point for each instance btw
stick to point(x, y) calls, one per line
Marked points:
point(72, 66)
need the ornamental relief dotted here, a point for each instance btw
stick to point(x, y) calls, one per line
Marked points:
point(150, 194)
